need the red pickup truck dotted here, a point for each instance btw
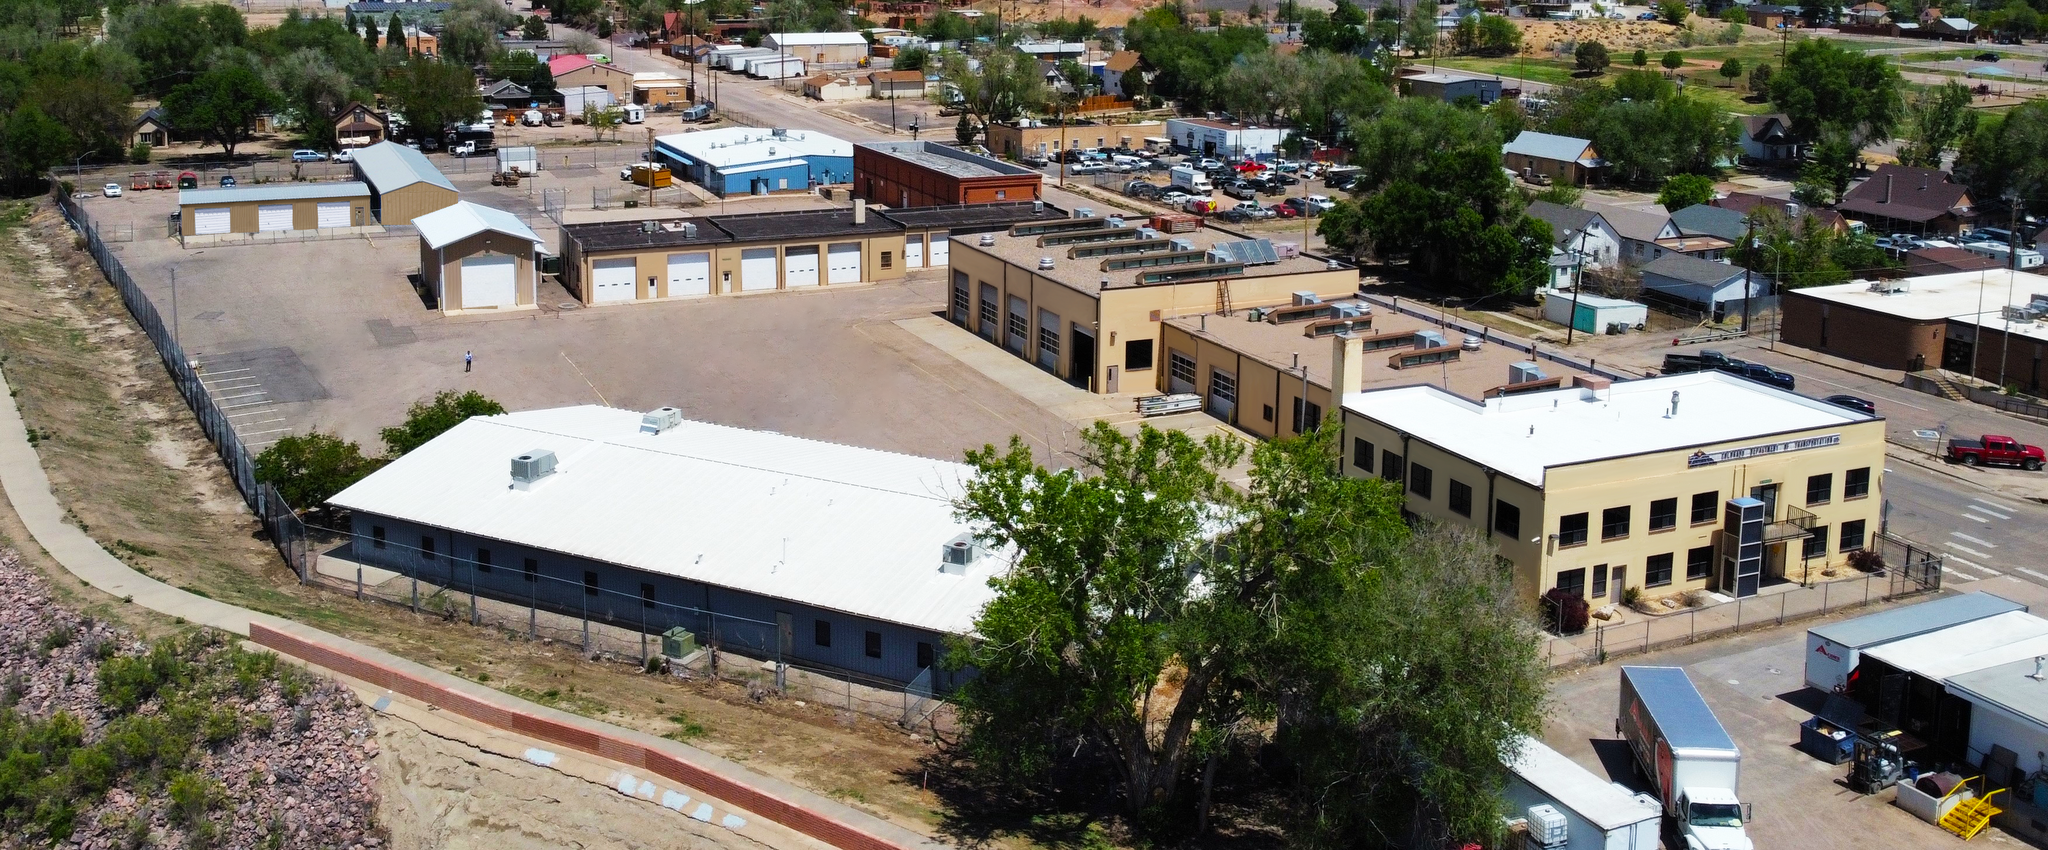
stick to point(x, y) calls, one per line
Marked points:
point(1995, 449)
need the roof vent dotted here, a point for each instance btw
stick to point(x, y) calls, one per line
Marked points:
point(1037, 207)
point(957, 554)
point(1045, 264)
point(529, 468)
point(1333, 265)
point(1115, 221)
point(649, 226)
point(988, 240)
point(660, 419)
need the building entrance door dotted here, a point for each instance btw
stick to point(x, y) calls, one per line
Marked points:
point(1081, 368)
point(1767, 494)
point(785, 635)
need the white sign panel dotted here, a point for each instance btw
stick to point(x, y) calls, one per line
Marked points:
point(1710, 458)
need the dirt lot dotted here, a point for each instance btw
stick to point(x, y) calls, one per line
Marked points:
point(125, 458)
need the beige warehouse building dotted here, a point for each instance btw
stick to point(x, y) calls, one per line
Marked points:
point(273, 208)
point(1086, 299)
point(473, 257)
point(1661, 485)
point(403, 183)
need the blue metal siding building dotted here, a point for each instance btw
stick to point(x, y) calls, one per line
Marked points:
point(751, 160)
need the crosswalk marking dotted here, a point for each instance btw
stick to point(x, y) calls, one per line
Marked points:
point(1959, 574)
point(2041, 576)
point(1984, 543)
point(1975, 518)
point(1972, 565)
point(1969, 551)
point(1992, 508)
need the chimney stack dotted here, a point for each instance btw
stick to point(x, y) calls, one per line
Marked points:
point(860, 211)
point(1347, 366)
point(1887, 190)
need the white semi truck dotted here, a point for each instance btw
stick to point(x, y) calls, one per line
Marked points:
point(1694, 765)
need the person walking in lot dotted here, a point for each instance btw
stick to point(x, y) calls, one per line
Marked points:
point(468, 360)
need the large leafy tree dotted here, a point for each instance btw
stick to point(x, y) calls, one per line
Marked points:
point(1824, 86)
point(432, 94)
point(31, 142)
point(223, 103)
point(313, 91)
point(1005, 87)
point(1189, 62)
point(1685, 190)
point(1938, 119)
point(169, 39)
point(2008, 154)
point(426, 420)
point(308, 469)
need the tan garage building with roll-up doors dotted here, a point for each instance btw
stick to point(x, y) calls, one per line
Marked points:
point(273, 209)
point(474, 257)
point(403, 184)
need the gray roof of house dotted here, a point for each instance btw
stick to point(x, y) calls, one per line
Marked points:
point(388, 166)
point(1690, 269)
point(272, 192)
point(1709, 220)
point(1636, 223)
point(1564, 220)
point(1547, 146)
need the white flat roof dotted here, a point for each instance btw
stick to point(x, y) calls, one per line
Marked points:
point(1970, 646)
point(730, 146)
point(1579, 789)
point(838, 527)
point(1523, 435)
point(1937, 296)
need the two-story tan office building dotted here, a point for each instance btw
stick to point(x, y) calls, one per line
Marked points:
point(1085, 298)
point(1662, 485)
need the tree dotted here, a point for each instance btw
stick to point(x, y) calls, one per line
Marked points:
point(1823, 85)
point(1006, 86)
point(433, 94)
point(222, 103)
point(312, 92)
point(1590, 56)
point(426, 420)
point(1760, 78)
point(1829, 166)
point(1673, 12)
point(1560, 193)
point(1641, 59)
point(580, 42)
point(1685, 190)
point(1938, 119)
point(600, 120)
point(1418, 30)
point(1731, 70)
point(910, 59)
point(604, 27)
point(1673, 61)
point(534, 29)
point(1735, 14)
point(371, 31)
point(33, 143)
point(308, 469)
point(2008, 153)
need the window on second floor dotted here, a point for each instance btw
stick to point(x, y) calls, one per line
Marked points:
point(1703, 505)
point(1856, 483)
point(1571, 530)
point(1820, 489)
point(1420, 480)
point(1461, 498)
point(1663, 514)
point(1614, 523)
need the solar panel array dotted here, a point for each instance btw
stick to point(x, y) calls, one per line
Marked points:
point(1255, 252)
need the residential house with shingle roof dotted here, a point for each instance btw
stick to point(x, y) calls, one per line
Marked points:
point(1768, 139)
point(1746, 203)
point(1648, 233)
point(1564, 158)
point(1709, 287)
point(1579, 230)
point(1710, 220)
point(1903, 199)
point(1113, 69)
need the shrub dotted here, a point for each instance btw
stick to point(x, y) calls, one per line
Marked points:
point(140, 153)
point(192, 796)
point(1591, 56)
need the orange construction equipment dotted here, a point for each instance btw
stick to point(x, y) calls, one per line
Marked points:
point(139, 180)
point(163, 180)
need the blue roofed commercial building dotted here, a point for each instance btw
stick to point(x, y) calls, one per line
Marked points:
point(403, 183)
point(757, 161)
point(821, 555)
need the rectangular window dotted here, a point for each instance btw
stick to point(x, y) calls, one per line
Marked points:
point(1391, 467)
point(1573, 581)
point(426, 547)
point(1852, 535)
point(1137, 355)
point(1699, 563)
point(1816, 544)
point(1571, 530)
point(925, 656)
point(532, 569)
point(1600, 581)
point(589, 583)
point(646, 595)
point(1048, 344)
point(1180, 372)
point(1265, 413)
point(1507, 519)
point(1461, 498)
point(991, 316)
point(376, 537)
point(1703, 505)
point(1420, 480)
point(1663, 514)
point(821, 632)
point(874, 647)
point(1361, 454)
point(1614, 523)
point(888, 259)
point(1856, 483)
point(1657, 570)
point(1820, 489)
point(1307, 415)
point(483, 560)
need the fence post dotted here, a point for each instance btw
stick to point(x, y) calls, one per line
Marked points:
point(1824, 595)
point(1781, 608)
point(415, 591)
point(472, 596)
point(359, 581)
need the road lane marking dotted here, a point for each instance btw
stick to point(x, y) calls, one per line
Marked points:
point(1971, 551)
point(1972, 565)
point(1975, 518)
point(1984, 543)
point(1959, 574)
point(1861, 390)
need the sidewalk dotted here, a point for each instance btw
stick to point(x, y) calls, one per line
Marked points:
point(27, 488)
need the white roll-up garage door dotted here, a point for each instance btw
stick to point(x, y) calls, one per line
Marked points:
point(800, 267)
point(913, 252)
point(334, 214)
point(842, 263)
point(689, 274)
point(941, 250)
point(757, 269)
point(612, 280)
point(271, 217)
point(489, 281)
point(207, 222)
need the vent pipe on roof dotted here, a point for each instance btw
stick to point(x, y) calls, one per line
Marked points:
point(860, 211)
point(1045, 264)
point(1674, 403)
point(2040, 668)
point(988, 240)
point(1887, 190)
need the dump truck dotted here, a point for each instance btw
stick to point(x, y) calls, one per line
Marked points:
point(1692, 763)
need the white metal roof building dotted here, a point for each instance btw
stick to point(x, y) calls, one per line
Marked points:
point(825, 541)
point(403, 184)
point(445, 226)
point(2008, 708)
point(271, 192)
point(1599, 814)
point(758, 160)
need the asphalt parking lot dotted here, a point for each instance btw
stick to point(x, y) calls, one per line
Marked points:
point(1755, 684)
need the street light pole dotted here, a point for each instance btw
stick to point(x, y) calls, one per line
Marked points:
point(1571, 323)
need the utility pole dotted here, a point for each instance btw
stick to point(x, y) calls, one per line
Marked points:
point(650, 168)
point(1571, 324)
point(2012, 235)
point(1748, 260)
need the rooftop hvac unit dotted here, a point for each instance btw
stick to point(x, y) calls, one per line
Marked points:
point(1349, 310)
point(660, 419)
point(957, 554)
point(1084, 212)
point(1183, 245)
point(1304, 298)
point(1286, 250)
point(2020, 314)
point(1256, 314)
point(531, 467)
point(1037, 207)
point(1524, 372)
point(1429, 339)
point(1115, 221)
point(988, 240)
point(1546, 825)
point(1147, 233)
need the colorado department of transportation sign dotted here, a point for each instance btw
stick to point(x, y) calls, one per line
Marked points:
point(1710, 458)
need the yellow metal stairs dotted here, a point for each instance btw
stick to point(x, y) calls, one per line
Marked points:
point(1970, 816)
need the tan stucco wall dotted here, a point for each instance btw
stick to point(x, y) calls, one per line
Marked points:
point(401, 206)
point(305, 214)
point(610, 78)
point(1015, 142)
point(442, 270)
point(653, 262)
point(1262, 388)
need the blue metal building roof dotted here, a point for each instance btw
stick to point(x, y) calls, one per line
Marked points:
point(1679, 710)
point(1912, 620)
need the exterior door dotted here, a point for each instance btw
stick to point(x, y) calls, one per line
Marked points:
point(1767, 494)
point(913, 252)
point(689, 274)
point(1081, 365)
point(785, 634)
point(333, 214)
point(1222, 394)
point(800, 267)
point(613, 281)
point(962, 299)
point(842, 263)
point(1017, 327)
point(991, 320)
point(273, 217)
point(489, 281)
point(941, 252)
point(757, 269)
point(208, 222)
point(1180, 373)
point(1049, 341)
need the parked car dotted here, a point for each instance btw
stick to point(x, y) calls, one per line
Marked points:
point(1141, 189)
point(1302, 207)
point(1036, 161)
point(1322, 203)
point(1988, 56)
point(1249, 211)
point(1088, 168)
point(308, 155)
point(1282, 178)
point(1284, 211)
point(227, 181)
point(1647, 16)
point(111, 190)
point(1209, 164)
point(1176, 198)
point(345, 155)
point(1994, 449)
point(1241, 190)
point(1863, 406)
point(1762, 374)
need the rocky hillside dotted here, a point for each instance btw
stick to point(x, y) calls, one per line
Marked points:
point(108, 741)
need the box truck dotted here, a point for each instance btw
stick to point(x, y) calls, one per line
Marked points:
point(1692, 763)
point(1833, 650)
point(1584, 811)
point(1190, 180)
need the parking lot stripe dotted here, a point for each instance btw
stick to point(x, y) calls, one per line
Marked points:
point(244, 395)
point(1971, 551)
point(1984, 543)
point(268, 431)
point(252, 413)
point(250, 404)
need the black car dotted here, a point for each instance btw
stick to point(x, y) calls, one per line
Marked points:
point(227, 181)
point(1859, 405)
point(1987, 56)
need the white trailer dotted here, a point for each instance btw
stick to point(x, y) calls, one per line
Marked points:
point(1596, 814)
point(1680, 745)
point(574, 100)
point(525, 159)
point(1834, 650)
point(1190, 180)
point(774, 68)
point(736, 60)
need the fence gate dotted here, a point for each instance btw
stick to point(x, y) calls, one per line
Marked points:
point(601, 198)
point(1912, 567)
point(552, 203)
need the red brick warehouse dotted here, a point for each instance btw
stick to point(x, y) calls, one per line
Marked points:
point(921, 174)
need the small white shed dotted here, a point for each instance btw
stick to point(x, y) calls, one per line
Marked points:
point(1591, 313)
point(1596, 814)
point(524, 158)
point(575, 99)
